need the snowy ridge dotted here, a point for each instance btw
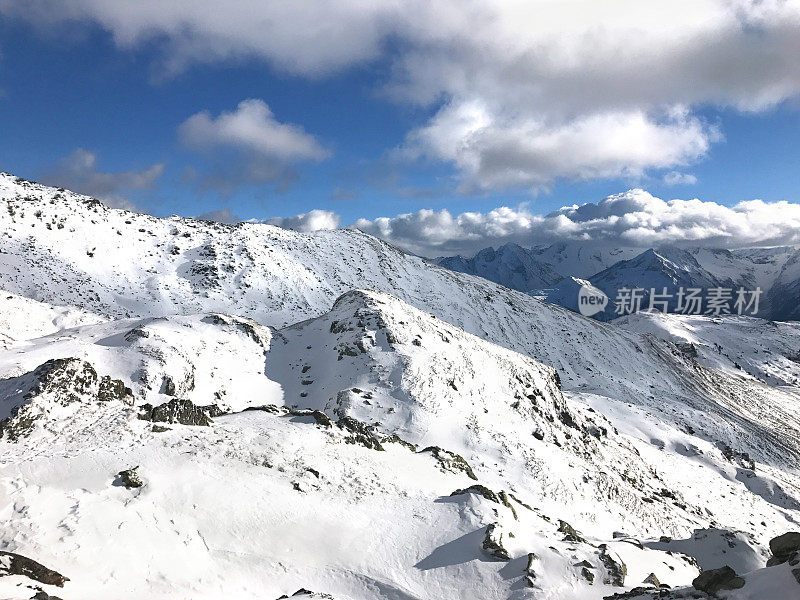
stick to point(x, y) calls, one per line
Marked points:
point(510, 265)
point(387, 428)
point(773, 270)
point(532, 446)
point(764, 350)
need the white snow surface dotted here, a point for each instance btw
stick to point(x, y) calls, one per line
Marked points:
point(615, 428)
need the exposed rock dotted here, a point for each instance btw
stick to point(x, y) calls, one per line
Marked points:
point(652, 580)
point(714, 580)
point(255, 331)
point(66, 379)
point(783, 548)
point(615, 568)
point(180, 411)
point(648, 593)
point(505, 502)
point(42, 595)
point(530, 574)
point(450, 461)
point(359, 433)
point(396, 439)
point(114, 389)
point(570, 535)
point(320, 417)
point(480, 490)
point(302, 592)
point(63, 381)
point(130, 478)
point(16, 564)
point(169, 386)
point(493, 542)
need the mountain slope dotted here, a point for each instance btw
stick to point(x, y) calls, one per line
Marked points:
point(765, 350)
point(152, 267)
point(643, 437)
point(510, 265)
point(539, 267)
point(345, 505)
point(611, 269)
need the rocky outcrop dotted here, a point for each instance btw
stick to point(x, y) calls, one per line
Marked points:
point(715, 580)
point(16, 564)
point(320, 417)
point(570, 535)
point(183, 412)
point(785, 548)
point(616, 571)
point(493, 542)
point(359, 433)
point(61, 381)
point(450, 461)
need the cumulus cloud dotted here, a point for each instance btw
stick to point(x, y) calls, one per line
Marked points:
point(524, 93)
point(307, 222)
point(495, 153)
point(634, 219)
point(249, 144)
point(78, 172)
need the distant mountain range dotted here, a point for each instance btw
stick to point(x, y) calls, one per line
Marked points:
point(550, 272)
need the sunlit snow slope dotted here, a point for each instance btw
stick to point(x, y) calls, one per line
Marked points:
point(361, 423)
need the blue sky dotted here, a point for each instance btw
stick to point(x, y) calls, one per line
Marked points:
point(81, 82)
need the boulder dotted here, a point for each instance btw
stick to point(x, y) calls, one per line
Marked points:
point(130, 478)
point(715, 580)
point(652, 580)
point(783, 548)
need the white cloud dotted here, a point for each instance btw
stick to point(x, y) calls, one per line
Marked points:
point(678, 178)
point(526, 92)
point(263, 148)
point(251, 127)
point(307, 37)
point(307, 222)
point(495, 153)
point(634, 218)
point(78, 172)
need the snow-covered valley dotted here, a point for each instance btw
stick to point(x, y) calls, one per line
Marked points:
point(197, 410)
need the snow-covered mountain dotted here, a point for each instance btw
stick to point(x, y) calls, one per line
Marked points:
point(510, 265)
point(204, 410)
point(536, 268)
point(783, 297)
point(773, 270)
